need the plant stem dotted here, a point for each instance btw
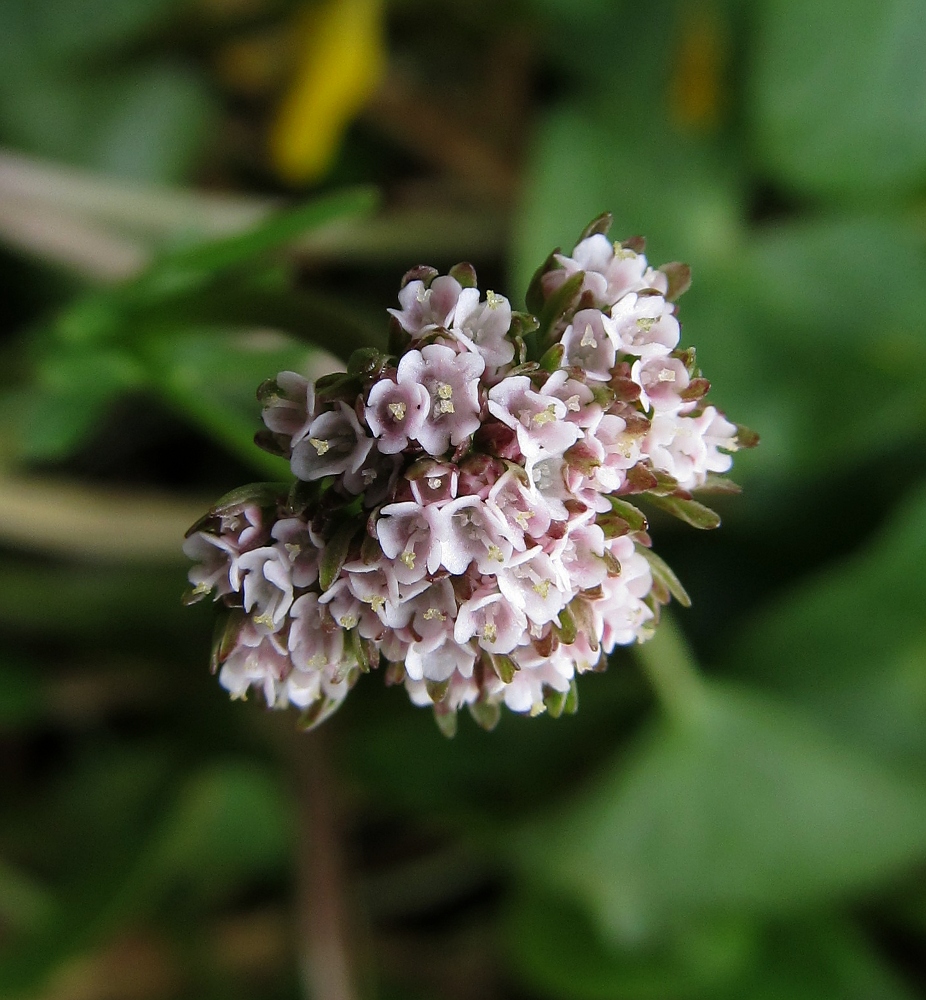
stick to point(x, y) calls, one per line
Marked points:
point(670, 667)
point(322, 910)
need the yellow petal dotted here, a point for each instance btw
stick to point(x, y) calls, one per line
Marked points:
point(340, 60)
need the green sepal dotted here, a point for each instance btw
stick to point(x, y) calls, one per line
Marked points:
point(338, 386)
point(225, 637)
point(567, 630)
point(664, 573)
point(560, 302)
point(316, 713)
point(679, 278)
point(446, 723)
point(423, 273)
point(465, 273)
point(334, 555)
point(263, 495)
point(598, 226)
point(555, 701)
point(368, 362)
point(360, 650)
point(437, 690)
point(613, 525)
point(745, 437)
point(572, 699)
point(716, 483)
point(689, 511)
point(631, 514)
point(534, 298)
point(505, 668)
point(553, 358)
point(486, 714)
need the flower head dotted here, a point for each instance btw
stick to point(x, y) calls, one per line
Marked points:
point(461, 513)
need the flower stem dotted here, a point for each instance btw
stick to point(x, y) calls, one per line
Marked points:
point(670, 667)
point(322, 910)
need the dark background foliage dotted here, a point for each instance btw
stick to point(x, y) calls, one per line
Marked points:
point(194, 195)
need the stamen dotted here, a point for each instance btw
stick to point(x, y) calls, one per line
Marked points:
point(435, 482)
point(348, 621)
point(545, 416)
point(377, 602)
point(489, 632)
point(320, 445)
point(645, 323)
point(433, 613)
point(666, 375)
point(398, 410)
point(445, 398)
point(543, 588)
point(318, 660)
point(588, 338)
point(265, 619)
point(496, 553)
point(202, 588)
point(572, 404)
point(408, 557)
point(292, 549)
point(493, 301)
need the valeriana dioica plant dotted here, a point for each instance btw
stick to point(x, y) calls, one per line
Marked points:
point(463, 512)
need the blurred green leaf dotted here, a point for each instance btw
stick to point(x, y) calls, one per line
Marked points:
point(191, 266)
point(211, 377)
point(851, 642)
point(743, 804)
point(557, 951)
point(22, 699)
point(23, 901)
point(230, 822)
point(228, 825)
point(681, 193)
point(155, 130)
point(840, 94)
point(807, 320)
point(72, 393)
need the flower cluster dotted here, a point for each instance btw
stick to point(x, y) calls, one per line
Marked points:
point(461, 511)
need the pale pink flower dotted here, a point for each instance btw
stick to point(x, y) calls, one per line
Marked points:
point(334, 444)
point(452, 382)
point(395, 413)
point(425, 308)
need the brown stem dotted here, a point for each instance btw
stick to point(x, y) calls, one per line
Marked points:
point(322, 910)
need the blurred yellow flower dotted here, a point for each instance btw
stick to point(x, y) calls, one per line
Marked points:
point(339, 62)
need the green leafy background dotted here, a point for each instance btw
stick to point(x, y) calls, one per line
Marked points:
point(738, 810)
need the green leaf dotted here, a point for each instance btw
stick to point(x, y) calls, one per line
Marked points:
point(557, 951)
point(682, 194)
point(741, 804)
point(230, 821)
point(156, 128)
point(850, 642)
point(211, 377)
point(192, 266)
point(72, 393)
point(840, 95)
point(227, 828)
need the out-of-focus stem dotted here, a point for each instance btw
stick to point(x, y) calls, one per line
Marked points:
point(671, 669)
point(322, 908)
